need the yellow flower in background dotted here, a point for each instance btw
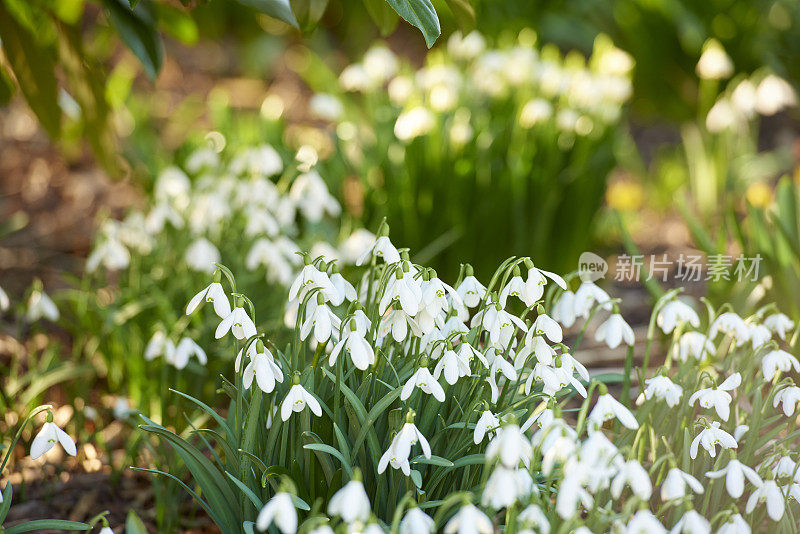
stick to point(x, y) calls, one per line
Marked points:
point(625, 195)
point(759, 194)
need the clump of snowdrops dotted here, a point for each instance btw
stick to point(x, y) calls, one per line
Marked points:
point(514, 133)
point(406, 404)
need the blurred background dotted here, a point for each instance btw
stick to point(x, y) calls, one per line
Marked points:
point(479, 129)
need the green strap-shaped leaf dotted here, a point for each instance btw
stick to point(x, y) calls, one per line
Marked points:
point(279, 9)
point(421, 14)
point(42, 524)
point(138, 34)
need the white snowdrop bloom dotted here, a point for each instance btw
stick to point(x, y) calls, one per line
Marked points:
point(400, 89)
point(297, 399)
point(662, 388)
point(426, 382)
point(380, 64)
point(435, 295)
point(344, 289)
point(644, 522)
point(467, 46)
point(202, 256)
point(570, 495)
point(735, 525)
point(735, 473)
point(111, 254)
point(561, 451)
point(215, 294)
point(416, 522)
point(280, 511)
point(675, 484)
point(694, 344)
point(381, 248)
point(585, 298)
point(471, 291)
point(41, 305)
point(564, 309)
point(789, 396)
point(780, 324)
point(740, 431)
point(506, 486)
point(161, 214)
point(399, 450)
point(709, 438)
point(785, 467)
point(486, 425)
point(261, 222)
point(239, 323)
point(398, 323)
point(535, 345)
point(714, 63)
point(311, 277)
point(731, 324)
point(606, 408)
point(319, 319)
point(185, 349)
point(691, 523)
point(777, 361)
point(201, 159)
point(104, 530)
point(533, 517)
point(469, 520)
point(773, 95)
point(499, 324)
point(325, 106)
point(535, 111)
point(452, 365)
point(258, 161)
point(173, 186)
point(516, 287)
point(311, 196)
point(353, 341)
point(406, 290)
point(5, 303)
point(266, 253)
point(159, 345)
point(546, 326)
point(743, 98)
point(354, 78)
point(350, 502)
point(415, 122)
point(614, 331)
point(322, 529)
point(510, 447)
point(722, 116)
point(537, 279)
point(48, 436)
point(355, 245)
point(264, 369)
point(542, 419)
point(718, 397)
point(674, 313)
point(633, 474)
point(759, 335)
point(770, 493)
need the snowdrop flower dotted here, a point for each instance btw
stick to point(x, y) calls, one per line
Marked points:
point(789, 396)
point(740, 431)
point(674, 313)
point(48, 436)
point(544, 325)
point(714, 63)
point(280, 511)
point(311, 277)
point(709, 438)
point(570, 494)
point(263, 368)
point(320, 319)
point(41, 305)
point(718, 397)
point(771, 493)
point(486, 425)
point(614, 331)
point(425, 381)
point(238, 322)
point(263, 160)
point(675, 484)
point(471, 291)
point(453, 365)
point(202, 256)
point(779, 323)
point(381, 248)
point(691, 523)
point(731, 324)
point(644, 522)
point(516, 287)
point(506, 486)
point(662, 388)
point(469, 520)
point(735, 525)
point(510, 446)
point(785, 467)
point(586, 296)
point(537, 278)
point(533, 517)
point(312, 198)
point(633, 474)
point(735, 473)
point(415, 122)
point(499, 324)
point(159, 345)
point(400, 448)
point(214, 294)
point(344, 289)
point(607, 407)
point(361, 352)
point(297, 399)
point(356, 244)
point(694, 344)
point(777, 361)
point(111, 253)
point(774, 94)
point(564, 309)
point(542, 419)
point(185, 349)
point(106, 530)
point(326, 106)
point(404, 289)
point(398, 323)
point(416, 522)
point(5, 302)
point(351, 502)
point(759, 335)
point(467, 46)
